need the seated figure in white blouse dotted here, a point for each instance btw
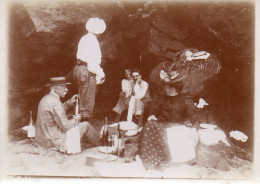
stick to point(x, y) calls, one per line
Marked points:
point(135, 99)
point(124, 96)
point(134, 96)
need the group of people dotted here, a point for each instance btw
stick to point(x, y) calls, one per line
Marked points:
point(134, 97)
point(177, 102)
point(52, 122)
point(171, 102)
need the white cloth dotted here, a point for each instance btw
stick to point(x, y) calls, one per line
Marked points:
point(131, 109)
point(211, 136)
point(182, 142)
point(201, 103)
point(134, 104)
point(73, 140)
point(198, 55)
point(127, 87)
point(89, 52)
point(240, 136)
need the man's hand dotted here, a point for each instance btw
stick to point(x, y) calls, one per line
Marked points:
point(164, 76)
point(139, 81)
point(74, 98)
point(100, 80)
point(123, 94)
point(77, 117)
point(202, 103)
point(152, 117)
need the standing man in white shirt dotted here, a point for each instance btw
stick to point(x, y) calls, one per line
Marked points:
point(88, 73)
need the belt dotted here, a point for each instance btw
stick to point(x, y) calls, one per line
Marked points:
point(92, 74)
point(80, 62)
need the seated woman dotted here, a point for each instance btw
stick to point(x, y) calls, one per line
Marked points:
point(167, 109)
point(127, 85)
point(135, 99)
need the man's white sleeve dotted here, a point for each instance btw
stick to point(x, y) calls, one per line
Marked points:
point(140, 90)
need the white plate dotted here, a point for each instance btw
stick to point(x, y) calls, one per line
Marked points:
point(131, 132)
point(111, 158)
point(106, 149)
point(208, 126)
point(124, 125)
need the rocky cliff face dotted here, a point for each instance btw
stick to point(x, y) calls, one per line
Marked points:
point(43, 38)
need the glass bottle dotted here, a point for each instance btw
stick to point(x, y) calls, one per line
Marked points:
point(31, 128)
point(105, 134)
point(77, 106)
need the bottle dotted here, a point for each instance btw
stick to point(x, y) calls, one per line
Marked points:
point(105, 134)
point(77, 106)
point(31, 128)
point(120, 142)
point(122, 149)
point(118, 131)
point(115, 143)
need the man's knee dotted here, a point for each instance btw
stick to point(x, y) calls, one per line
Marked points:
point(140, 116)
point(83, 124)
point(118, 110)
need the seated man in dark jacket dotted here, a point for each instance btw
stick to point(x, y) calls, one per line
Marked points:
point(168, 108)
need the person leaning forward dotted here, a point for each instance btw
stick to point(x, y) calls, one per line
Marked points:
point(88, 73)
point(52, 122)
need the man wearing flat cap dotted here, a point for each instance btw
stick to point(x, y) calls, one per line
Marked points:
point(88, 73)
point(52, 122)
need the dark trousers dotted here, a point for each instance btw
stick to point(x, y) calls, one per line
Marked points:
point(87, 86)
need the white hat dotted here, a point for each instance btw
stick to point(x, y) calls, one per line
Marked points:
point(96, 25)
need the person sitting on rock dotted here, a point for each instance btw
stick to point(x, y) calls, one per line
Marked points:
point(124, 96)
point(139, 99)
point(52, 122)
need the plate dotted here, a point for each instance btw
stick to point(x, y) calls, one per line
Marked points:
point(106, 149)
point(131, 132)
point(111, 158)
point(93, 158)
point(208, 126)
point(124, 125)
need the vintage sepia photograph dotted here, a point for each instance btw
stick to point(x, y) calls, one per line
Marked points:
point(130, 89)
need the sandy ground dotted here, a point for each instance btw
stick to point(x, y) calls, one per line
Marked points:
point(24, 159)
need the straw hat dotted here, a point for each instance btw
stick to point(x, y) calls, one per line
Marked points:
point(58, 81)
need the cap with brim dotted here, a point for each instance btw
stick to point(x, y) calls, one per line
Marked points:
point(58, 81)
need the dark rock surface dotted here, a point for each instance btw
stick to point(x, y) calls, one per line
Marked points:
point(43, 38)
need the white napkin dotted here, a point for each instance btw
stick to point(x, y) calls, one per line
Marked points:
point(73, 140)
point(240, 136)
point(131, 109)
